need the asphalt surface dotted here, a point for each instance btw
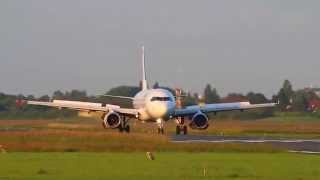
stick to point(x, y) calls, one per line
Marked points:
point(293, 145)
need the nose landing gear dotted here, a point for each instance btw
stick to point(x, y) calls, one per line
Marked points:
point(181, 128)
point(160, 126)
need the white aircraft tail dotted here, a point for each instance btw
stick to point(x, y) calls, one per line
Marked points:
point(144, 78)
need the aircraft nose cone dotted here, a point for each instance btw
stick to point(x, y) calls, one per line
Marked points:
point(159, 110)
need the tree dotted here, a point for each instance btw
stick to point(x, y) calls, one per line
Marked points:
point(256, 98)
point(287, 87)
point(44, 98)
point(189, 100)
point(285, 95)
point(156, 85)
point(2, 102)
point(58, 95)
point(211, 94)
point(129, 91)
point(77, 95)
point(300, 101)
point(235, 97)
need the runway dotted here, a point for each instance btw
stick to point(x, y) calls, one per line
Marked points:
point(311, 146)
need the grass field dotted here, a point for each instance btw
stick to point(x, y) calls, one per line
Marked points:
point(98, 141)
point(287, 126)
point(87, 135)
point(271, 166)
point(81, 149)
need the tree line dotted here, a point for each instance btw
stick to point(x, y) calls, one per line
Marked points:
point(289, 100)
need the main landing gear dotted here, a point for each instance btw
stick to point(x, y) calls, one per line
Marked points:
point(124, 126)
point(181, 128)
point(160, 126)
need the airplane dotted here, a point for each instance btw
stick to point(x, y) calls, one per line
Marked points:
point(152, 105)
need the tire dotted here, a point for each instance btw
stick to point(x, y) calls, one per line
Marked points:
point(177, 130)
point(185, 130)
point(162, 131)
point(127, 129)
point(121, 129)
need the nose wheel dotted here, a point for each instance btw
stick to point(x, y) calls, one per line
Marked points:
point(181, 128)
point(160, 130)
point(160, 126)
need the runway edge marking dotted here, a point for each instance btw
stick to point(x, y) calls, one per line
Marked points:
point(305, 152)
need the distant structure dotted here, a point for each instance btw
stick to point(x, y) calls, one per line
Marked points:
point(314, 103)
point(317, 91)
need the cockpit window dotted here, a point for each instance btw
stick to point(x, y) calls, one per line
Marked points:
point(161, 99)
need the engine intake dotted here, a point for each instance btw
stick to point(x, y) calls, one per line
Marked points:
point(112, 120)
point(199, 121)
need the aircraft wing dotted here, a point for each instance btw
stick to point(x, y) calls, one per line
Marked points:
point(212, 108)
point(85, 106)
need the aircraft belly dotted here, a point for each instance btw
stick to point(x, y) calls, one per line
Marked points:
point(144, 115)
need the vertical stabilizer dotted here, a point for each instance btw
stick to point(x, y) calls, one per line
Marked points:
point(144, 78)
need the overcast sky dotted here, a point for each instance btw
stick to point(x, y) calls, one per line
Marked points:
point(237, 46)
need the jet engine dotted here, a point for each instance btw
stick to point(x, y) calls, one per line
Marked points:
point(199, 121)
point(112, 120)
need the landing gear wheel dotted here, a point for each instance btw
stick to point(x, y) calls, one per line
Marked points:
point(177, 130)
point(160, 131)
point(120, 129)
point(127, 129)
point(160, 123)
point(181, 129)
point(124, 126)
point(185, 130)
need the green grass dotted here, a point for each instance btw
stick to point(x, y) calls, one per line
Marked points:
point(88, 141)
point(271, 166)
point(43, 152)
point(295, 117)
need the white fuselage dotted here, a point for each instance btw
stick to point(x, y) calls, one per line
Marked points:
point(154, 104)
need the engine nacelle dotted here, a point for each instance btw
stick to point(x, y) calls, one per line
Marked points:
point(199, 121)
point(112, 120)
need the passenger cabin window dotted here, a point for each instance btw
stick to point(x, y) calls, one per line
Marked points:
point(160, 99)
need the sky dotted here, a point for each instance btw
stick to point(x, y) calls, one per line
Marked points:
point(236, 46)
